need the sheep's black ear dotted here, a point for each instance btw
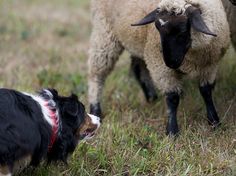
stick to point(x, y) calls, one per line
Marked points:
point(150, 18)
point(194, 15)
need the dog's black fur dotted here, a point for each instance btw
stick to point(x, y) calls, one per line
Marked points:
point(24, 131)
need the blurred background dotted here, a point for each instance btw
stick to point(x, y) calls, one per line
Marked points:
point(44, 43)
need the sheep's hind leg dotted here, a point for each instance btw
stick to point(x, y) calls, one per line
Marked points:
point(144, 79)
point(172, 101)
point(206, 92)
point(104, 52)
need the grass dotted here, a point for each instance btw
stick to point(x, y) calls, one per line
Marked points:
point(44, 44)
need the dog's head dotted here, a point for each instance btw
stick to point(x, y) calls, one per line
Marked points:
point(75, 125)
point(74, 116)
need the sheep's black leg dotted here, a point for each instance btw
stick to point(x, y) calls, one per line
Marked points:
point(172, 101)
point(143, 77)
point(206, 92)
point(96, 110)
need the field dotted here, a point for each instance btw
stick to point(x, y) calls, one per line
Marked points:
point(44, 44)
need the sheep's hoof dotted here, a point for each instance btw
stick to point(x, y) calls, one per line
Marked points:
point(151, 97)
point(95, 109)
point(149, 92)
point(172, 131)
point(213, 120)
point(214, 124)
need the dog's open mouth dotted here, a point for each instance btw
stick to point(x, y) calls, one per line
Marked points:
point(89, 133)
point(89, 127)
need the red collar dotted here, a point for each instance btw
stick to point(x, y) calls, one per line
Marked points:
point(55, 124)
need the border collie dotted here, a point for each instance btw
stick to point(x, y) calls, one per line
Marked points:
point(43, 126)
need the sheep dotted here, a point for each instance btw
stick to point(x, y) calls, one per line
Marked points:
point(138, 66)
point(185, 46)
point(231, 13)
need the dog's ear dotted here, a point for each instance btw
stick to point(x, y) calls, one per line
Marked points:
point(54, 92)
point(71, 106)
point(49, 94)
point(74, 96)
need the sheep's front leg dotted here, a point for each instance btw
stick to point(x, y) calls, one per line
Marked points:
point(103, 54)
point(144, 79)
point(172, 101)
point(206, 92)
point(169, 83)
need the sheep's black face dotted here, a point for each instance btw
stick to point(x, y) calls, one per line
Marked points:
point(175, 32)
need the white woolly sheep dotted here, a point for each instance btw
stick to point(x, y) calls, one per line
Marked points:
point(185, 46)
point(231, 15)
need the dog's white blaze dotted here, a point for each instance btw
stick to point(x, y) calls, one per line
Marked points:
point(95, 120)
point(45, 110)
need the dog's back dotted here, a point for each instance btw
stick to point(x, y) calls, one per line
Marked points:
point(20, 126)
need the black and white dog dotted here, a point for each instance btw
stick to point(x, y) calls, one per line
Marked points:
point(42, 126)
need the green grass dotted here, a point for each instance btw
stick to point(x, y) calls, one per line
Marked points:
point(44, 44)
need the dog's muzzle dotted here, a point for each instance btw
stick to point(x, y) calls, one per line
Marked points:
point(89, 127)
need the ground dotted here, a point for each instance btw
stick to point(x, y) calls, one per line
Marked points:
point(44, 44)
